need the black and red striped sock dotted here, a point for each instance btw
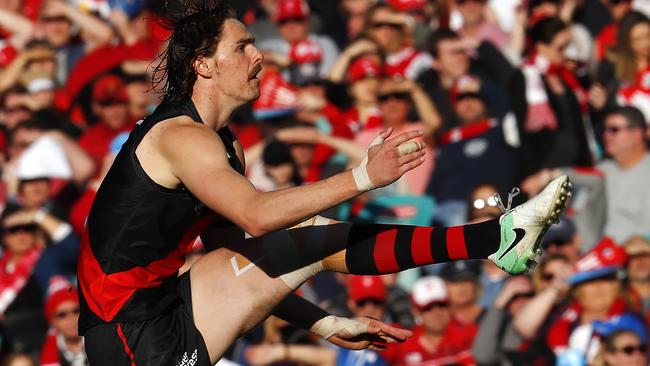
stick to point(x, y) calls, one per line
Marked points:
point(378, 249)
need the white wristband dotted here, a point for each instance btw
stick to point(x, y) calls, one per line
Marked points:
point(360, 173)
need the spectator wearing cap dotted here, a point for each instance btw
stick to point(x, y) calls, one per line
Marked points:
point(475, 152)
point(622, 177)
point(461, 278)
point(624, 342)
point(37, 246)
point(439, 339)
point(423, 15)
point(366, 298)
point(111, 103)
point(359, 68)
point(451, 61)
point(596, 295)
point(563, 239)
point(497, 341)
point(63, 345)
point(637, 270)
point(391, 30)
point(292, 19)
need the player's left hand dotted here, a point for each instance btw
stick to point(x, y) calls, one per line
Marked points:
point(374, 335)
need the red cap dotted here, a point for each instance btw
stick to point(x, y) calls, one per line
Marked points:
point(7, 53)
point(306, 51)
point(366, 287)
point(292, 9)
point(59, 291)
point(363, 68)
point(408, 5)
point(110, 88)
point(606, 258)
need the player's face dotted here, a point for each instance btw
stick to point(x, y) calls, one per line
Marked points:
point(238, 63)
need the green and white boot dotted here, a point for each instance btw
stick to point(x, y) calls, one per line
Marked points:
point(522, 228)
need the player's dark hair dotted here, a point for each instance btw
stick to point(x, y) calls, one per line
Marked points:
point(438, 37)
point(546, 29)
point(196, 27)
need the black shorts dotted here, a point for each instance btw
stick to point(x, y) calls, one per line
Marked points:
point(170, 338)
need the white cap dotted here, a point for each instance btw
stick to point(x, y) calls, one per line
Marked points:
point(44, 158)
point(428, 290)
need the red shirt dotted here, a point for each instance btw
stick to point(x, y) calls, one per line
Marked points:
point(97, 139)
point(454, 348)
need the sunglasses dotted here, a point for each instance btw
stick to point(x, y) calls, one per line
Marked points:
point(481, 203)
point(363, 302)
point(434, 305)
point(55, 19)
point(522, 295)
point(377, 25)
point(398, 96)
point(616, 129)
point(30, 228)
point(630, 350)
point(64, 314)
point(462, 96)
point(291, 20)
point(109, 103)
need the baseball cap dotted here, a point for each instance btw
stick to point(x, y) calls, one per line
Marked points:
point(362, 68)
point(44, 158)
point(460, 271)
point(306, 57)
point(292, 9)
point(110, 88)
point(407, 5)
point(627, 321)
point(605, 259)
point(366, 287)
point(428, 290)
point(562, 232)
point(59, 291)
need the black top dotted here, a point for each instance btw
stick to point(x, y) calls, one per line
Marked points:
point(138, 232)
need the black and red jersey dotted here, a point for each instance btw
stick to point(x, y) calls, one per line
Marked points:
point(138, 232)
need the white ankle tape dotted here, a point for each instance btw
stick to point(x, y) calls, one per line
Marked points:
point(332, 325)
point(360, 173)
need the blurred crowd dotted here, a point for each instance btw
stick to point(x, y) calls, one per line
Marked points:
point(508, 93)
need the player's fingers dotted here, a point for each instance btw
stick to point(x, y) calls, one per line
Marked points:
point(410, 157)
point(411, 165)
point(402, 138)
point(409, 147)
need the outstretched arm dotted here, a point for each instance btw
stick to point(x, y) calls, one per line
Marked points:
point(202, 167)
point(353, 334)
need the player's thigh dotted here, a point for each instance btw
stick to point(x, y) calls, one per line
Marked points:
point(230, 295)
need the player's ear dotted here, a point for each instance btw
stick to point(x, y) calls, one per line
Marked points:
point(202, 67)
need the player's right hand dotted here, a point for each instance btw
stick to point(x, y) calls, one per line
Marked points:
point(386, 165)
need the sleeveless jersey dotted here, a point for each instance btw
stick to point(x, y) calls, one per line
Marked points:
point(138, 232)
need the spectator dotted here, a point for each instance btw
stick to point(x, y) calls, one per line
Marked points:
point(280, 166)
point(497, 342)
point(439, 339)
point(562, 239)
point(26, 268)
point(638, 270)
point(596, 296)
point(18, 359)
point(550, 103)
point(35, 57)
point(15, 107)
point(478, 146)
point(624, 347)
point(476, 26)
point(632, 62)
point(625, 195)
point(391, 31)
point(462, 283)
point(482, 204)
point(110, 102)
point(292, 19)
point(398, 302)
point(608, 35)
point(63, 345)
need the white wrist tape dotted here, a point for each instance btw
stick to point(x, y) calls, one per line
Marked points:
point(332, 325)
point(360, 173)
